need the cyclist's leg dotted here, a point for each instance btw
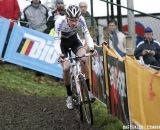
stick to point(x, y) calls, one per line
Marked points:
point(80, 50)
point(66, 76)
point(85, 70)
point(65, 66)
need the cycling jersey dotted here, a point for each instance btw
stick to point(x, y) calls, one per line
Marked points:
point(62, 30)
point(72, 42)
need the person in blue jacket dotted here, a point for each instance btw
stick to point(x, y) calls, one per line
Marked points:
point(149, 49)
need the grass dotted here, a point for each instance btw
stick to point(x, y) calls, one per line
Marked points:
point(103, 119)
point(22, 80)
point(19, 80)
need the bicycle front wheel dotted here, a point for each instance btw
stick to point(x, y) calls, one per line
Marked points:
point(86, 103)
point(76, 99)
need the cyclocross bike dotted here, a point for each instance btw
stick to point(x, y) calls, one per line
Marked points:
point(80, 95)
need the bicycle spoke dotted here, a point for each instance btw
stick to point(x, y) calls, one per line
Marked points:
point(86, 103)
point(76, 99)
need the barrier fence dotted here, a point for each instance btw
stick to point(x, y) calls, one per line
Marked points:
point(132, 89)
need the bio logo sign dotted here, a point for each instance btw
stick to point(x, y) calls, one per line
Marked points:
point(37, 48)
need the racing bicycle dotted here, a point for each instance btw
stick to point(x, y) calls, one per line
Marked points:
point(80, 95)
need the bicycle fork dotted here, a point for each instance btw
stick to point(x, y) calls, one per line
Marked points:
point(79, 88)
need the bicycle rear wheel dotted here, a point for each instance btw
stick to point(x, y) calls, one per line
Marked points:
point(86, 103)
point(76, 99)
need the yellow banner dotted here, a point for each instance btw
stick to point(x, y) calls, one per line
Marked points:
point(143, 86)
point(105, 69)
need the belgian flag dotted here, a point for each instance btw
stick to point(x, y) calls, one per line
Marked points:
point(25, 46)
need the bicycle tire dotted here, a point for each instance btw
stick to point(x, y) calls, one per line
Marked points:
point(86, 103)
point(76, 99)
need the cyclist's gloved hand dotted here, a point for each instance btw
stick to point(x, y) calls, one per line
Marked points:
point(61, 58)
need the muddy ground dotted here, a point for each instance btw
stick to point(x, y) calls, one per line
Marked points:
point(21, 112)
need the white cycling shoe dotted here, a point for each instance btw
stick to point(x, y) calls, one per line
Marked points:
point(91, 96)
point(69, 103)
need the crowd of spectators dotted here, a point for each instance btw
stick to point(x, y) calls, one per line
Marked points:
point(39, 17)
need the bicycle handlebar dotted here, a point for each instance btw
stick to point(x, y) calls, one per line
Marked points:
point(78, 57)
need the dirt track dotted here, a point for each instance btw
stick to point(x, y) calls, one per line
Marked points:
point(19, 112)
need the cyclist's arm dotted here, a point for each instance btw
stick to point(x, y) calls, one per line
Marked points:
point(89, 40)
point(86, 32)
point(57, 36)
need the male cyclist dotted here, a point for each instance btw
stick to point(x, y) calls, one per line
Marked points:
point(66, 37)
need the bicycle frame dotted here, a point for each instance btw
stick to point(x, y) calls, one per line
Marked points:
point(75, 71)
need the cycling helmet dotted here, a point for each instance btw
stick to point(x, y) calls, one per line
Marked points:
point(73, 11)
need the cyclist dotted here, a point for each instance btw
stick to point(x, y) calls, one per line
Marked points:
point(66, 37)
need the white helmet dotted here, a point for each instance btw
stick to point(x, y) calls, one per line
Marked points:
point(73, 11)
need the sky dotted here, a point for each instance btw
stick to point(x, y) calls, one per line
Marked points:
point(146, 6)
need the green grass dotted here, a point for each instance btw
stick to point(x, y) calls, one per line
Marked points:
point(20, 80)
point(104, 119)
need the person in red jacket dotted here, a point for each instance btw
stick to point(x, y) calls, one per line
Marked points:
point(9, 9)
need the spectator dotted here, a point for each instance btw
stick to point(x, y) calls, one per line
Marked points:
point(9, 9)
point(117, 38)
point(93, 29)
point(149, 49)
point(35, 15)
point(59, 11)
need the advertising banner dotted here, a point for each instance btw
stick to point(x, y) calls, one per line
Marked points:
point(4, 27)
point(98, 76)
point(34, 50)
point(118, 89)
point(143, 86)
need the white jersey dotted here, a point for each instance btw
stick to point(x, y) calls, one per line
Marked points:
point(63, 30)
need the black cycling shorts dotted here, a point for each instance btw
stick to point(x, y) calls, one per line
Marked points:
point(72, 42)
